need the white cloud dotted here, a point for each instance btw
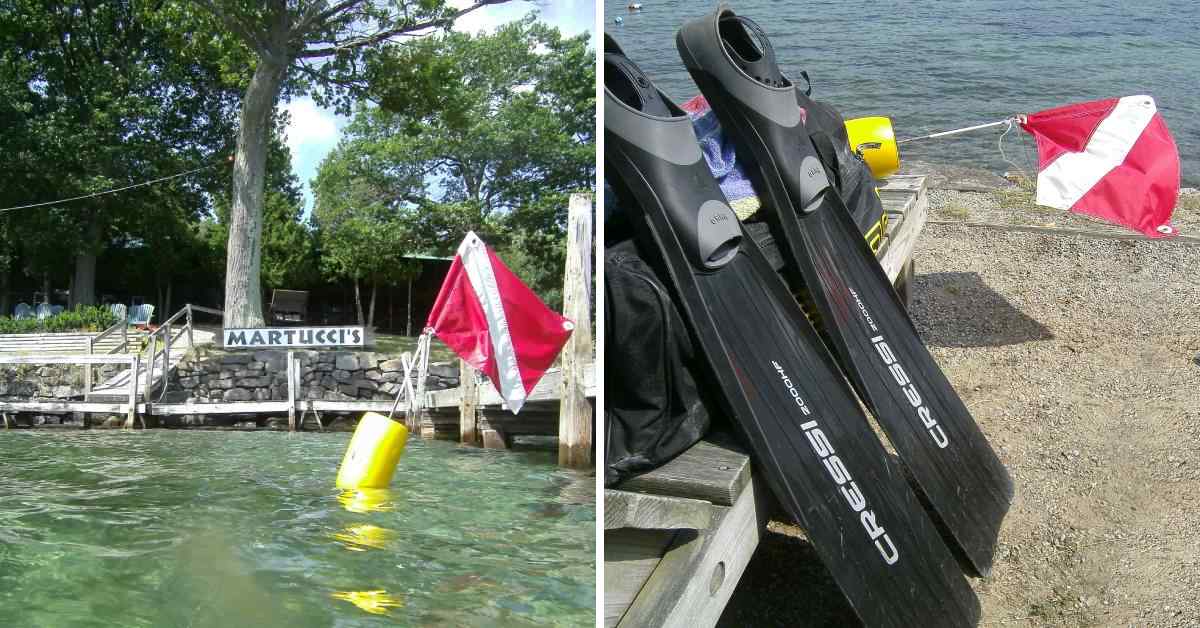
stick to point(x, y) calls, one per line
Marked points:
point(570, 16)
point(311, 133)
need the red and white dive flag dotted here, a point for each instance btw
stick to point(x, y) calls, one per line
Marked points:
point(495, 323)
point(1113, 159)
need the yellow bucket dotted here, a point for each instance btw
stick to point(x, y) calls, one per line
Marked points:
point(875, 140)
point(373, 453)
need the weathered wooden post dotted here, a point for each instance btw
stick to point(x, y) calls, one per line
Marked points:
point(134, 364)
point(150, 365)
point(468, 404)
point(291, 390)
point(575, 414)
point(87, 367)
point(189, 326)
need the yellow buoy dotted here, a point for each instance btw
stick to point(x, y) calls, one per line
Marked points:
point(874, 139)
point(373, 453)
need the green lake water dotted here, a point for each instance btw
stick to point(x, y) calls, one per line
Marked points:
point(229, 529)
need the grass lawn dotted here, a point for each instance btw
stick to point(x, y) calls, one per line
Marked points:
point(395, 345)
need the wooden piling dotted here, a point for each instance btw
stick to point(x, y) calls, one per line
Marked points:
point(291, 390)
point(575, 416)
point(468, 404)
point(134, 364)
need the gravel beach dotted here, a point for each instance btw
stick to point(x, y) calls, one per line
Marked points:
point(1078, 357)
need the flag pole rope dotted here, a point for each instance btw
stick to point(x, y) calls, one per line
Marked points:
point(1009, 121)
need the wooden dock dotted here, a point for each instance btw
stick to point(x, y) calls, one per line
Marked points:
point(678, 538)
point(558, 406)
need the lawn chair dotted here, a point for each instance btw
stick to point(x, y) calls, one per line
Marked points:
point(23, 312)
point(140, 315)
point(288, 306)
point(44, 311)
point(119, 310)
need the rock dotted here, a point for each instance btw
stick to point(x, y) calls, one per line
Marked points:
point(325, 357)
point(236, 358)
point(366, 361)
point(328, 382)
point(342, 376)
point(442, 369)
point(221, 384)
point(237, 394)
point(324, 367)
point(346, 362)
point(225, 375)
point(64, 392)
point(365, 384)
point(262, 394)
point(255, 382)
point(374, 375)
point(348, 389)
point(267, 356)
point(392, 376)
point(389, 388)
point(188, 382)
point(256, 366)
point(392, 366)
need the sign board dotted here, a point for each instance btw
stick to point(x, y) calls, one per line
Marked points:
point(271, 337)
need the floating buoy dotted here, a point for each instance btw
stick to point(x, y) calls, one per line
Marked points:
point(619, 19)
point(874, 139)
point(634, 6)
point(373, 453)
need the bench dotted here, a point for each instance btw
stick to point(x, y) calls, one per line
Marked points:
point(678, 538)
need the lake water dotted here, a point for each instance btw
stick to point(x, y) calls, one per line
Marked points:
point(935, 66)
point(231, 529)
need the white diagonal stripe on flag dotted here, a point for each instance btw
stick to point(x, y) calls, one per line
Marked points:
point(1069, 177)
point(478, 265)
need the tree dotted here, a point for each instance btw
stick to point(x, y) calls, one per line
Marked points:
point(300, 46)
point(289, 247)
point(487, 132)
point(113, 92)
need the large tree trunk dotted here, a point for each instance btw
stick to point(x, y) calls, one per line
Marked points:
point(243, 292)
point(167, 302)
point(83, 284)
point(4, 301)
point(371, 308)
point(358, 302)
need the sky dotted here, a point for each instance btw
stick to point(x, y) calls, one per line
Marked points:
point(314, 131)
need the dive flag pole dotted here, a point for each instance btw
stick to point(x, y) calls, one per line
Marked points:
point(967, 129)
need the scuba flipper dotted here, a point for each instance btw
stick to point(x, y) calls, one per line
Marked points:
point(950, 460)
point(807, 434)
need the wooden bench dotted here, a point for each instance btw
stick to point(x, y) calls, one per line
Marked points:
point(678, 538)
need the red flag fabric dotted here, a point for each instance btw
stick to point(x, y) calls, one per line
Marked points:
point(1113, 159)
point(495, 323)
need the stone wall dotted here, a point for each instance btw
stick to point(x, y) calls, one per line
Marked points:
point(211, 375)
point(33, 382)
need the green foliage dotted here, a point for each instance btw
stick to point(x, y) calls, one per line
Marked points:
point(82, 318)
point(486, 132)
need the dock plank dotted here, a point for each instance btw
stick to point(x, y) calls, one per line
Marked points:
point(715, 470)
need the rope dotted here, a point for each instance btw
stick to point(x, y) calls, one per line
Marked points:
point(112, 191)
point(1000, 145)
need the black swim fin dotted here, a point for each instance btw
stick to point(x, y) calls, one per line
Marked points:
point(785, 393)
point(967, 486)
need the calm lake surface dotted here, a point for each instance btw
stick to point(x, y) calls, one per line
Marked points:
point(934, 66)
point(240, 529)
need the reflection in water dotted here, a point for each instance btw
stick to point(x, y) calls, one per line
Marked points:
point(231, 529)
point(366, 500)
point(361, 537)
point(375, 602)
